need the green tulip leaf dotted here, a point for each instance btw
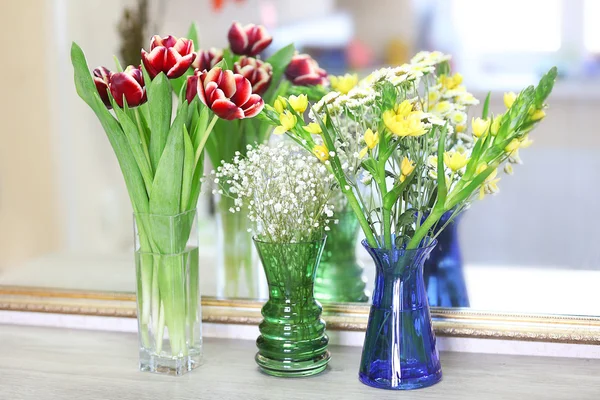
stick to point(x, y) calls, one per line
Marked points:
point(188, 170)
point(160, 100)
point(279, 61)
point(86, 89)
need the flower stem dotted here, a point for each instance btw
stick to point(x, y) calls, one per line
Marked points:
point(422, 231)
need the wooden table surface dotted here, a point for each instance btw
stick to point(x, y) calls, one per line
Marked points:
point(50, 363)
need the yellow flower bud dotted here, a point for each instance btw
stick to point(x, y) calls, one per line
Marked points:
point(479, 126)
point(512, 146)
point(537, 115)
point(287, 120)
point(298, 103)
point(345, 83)
point(407, 166)
point(455, 160)
point(371, 138)
point(525, 142)
point(280, 104)
point(495, 127)
point(313, 128)
point(321, 152)
point(461, 128)
point(509, 99)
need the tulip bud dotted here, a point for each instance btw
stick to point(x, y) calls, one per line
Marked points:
point(206, 59)
point(248, 40)
point(102, 80)
point(259, 73)
point(169, 55)
point(227, 94)
point(303, 70)
point(128, 84)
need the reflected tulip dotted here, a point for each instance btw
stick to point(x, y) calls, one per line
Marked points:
point(248, 40)
point(206, 59)
point(227, 94)
point(102, 80)
point(303, 70)
point(259, 73)
point(169, 55)
point(128, 84)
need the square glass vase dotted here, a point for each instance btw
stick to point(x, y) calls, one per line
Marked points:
point(168, 292)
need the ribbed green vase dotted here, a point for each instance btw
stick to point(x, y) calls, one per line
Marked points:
point(340, 276)
point(292, 339)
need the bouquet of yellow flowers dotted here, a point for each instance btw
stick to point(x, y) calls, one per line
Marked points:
point(399, 147)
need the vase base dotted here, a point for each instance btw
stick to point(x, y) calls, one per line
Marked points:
point(401, 384)
point(175, 366)
point(291, 369)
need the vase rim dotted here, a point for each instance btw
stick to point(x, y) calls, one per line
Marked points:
point(256, 239)
point(430, 245)
point(193, 210)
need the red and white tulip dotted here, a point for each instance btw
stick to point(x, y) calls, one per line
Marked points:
point(248, 40)
point(130, 85)
point(304, 70)
point(169, 55)
point(102, 80)
point(227, 94)
point(206, 59)
point(258, 72)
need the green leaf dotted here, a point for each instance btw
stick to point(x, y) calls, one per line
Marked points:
point(201, 125)
point(118, 64)
point(196, 182)
point(468, 190)
point(188, 170)
point(279, 61)
point(392, 196)
point(370, 165)
point(86, 89)
point(227, 61)
point(486, 106)
point(442, 190)
point(160, 100)
point(166, 188)
point(544, 88)
point(135, 144)
point(192, 34)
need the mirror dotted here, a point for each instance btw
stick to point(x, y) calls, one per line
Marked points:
point(65, 217)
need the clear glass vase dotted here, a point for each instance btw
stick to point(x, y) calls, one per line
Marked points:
point(400, 351)
point(292, 339)
point(340, 276)
point(168, 292)
point(238, 267)
point(443, 270)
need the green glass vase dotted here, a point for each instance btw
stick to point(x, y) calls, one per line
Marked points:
point(292, 339)
point(340, 276)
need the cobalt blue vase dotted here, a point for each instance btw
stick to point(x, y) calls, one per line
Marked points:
point(400, 347)
point(443, 270)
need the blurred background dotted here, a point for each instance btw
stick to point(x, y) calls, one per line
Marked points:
point(65, 217)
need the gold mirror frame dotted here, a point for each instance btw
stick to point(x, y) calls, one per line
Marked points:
point(452, 322)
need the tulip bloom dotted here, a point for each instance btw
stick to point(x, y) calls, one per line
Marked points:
point(248, 40)
point(227, 94)
point(169, 55)
point(130, 84)
point(303, 70)
point(206, 59)
point(258, 72)
point(102, 80)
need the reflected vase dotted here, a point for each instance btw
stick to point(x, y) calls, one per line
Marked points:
point(340, 276)
point(238, 268)
point(168, 293)
point(292, 339)
point(443, 270)
point(400, 351)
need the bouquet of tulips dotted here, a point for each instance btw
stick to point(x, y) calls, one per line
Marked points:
point(161, 158)
point(402, 133)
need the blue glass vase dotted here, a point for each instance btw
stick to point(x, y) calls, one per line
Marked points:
point(443, 270)
point(400, 347)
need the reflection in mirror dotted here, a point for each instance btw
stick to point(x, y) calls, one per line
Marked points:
point(65, 219)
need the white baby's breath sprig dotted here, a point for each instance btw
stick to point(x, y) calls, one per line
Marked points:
point(285, 190)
